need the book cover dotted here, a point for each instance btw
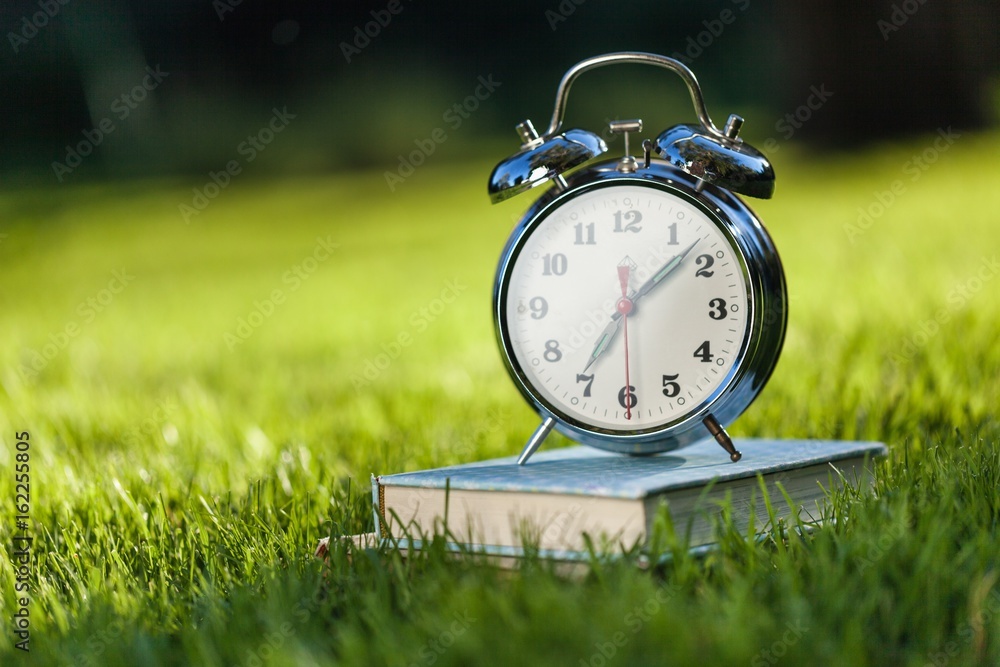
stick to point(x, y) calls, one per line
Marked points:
point(497, 506)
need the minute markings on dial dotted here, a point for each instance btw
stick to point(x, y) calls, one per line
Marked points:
point(583, 320)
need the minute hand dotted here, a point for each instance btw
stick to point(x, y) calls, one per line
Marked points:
point(665, 271)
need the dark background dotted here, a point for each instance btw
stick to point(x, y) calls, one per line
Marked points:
point(893, 68)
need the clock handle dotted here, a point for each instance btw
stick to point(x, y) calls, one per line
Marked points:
point(536, 440)
point(634, 57)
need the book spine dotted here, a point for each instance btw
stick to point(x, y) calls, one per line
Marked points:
point(378, 507)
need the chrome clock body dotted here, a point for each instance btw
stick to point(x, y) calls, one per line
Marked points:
point(760, 341)
point(609, 317)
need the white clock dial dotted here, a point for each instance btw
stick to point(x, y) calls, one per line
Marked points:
point(632, 266)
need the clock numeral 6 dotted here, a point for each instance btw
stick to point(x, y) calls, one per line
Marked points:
point(627, 398)
point(704, 352)
point(552, 352)
point(589, 379)
point(555, 265)
point(670, 387)
point(718, 307)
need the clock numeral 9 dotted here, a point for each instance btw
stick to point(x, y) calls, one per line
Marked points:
point(670, 387)
point(552, 352)
point(589, 379)
point(704, 352)
point(632, 218)
point(627, 398)
point(718, 307)
point(555, 265)
point(539, 307)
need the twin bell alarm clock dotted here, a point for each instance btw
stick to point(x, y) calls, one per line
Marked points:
point(639, 304)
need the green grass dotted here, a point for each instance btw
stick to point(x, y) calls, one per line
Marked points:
point(179, 482)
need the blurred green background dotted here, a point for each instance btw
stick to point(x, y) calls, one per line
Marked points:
point(203, 321)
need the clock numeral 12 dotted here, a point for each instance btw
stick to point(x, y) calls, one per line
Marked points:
point(632, 218)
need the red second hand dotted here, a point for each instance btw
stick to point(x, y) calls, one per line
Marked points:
point(625, 307)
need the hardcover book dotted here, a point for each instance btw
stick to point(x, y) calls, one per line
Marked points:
point(564, 495)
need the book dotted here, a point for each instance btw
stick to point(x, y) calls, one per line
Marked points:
point(562, 496)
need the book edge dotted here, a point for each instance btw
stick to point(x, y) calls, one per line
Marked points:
point(866, 449)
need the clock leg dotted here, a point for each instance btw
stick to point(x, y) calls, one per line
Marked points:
point(536, 439)
point(721, 437)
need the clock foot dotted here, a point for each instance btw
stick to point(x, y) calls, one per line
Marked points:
point(721, 437)
point(536, 439)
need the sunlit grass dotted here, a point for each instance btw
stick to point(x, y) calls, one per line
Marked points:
point(183, 465)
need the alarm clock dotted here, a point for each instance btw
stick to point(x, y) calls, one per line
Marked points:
point(639, 304)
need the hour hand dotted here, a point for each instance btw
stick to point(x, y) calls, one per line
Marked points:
point(604, 340)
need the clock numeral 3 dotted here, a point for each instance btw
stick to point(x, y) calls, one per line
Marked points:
point(552, 352)
point(718, 307)
point(632, 220)
point(670, 387)
point(589, 379)
point(627, 398)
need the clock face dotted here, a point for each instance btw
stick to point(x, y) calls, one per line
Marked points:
point(625, 309)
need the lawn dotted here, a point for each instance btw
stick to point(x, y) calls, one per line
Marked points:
point(206, 400)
